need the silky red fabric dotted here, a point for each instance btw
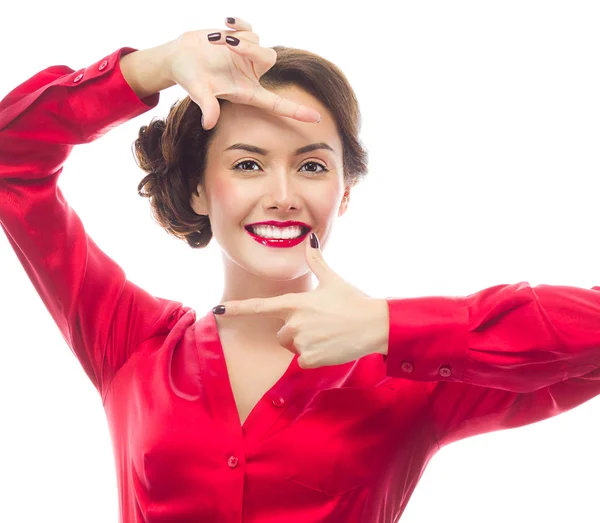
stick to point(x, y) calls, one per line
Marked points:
point(338, 444)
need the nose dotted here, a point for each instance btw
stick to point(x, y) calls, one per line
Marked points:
point(282, 190)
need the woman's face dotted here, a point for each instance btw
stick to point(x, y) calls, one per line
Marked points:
point(244, 187)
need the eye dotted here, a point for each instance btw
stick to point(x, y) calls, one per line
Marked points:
point(317, 164)
point(237, 165)
point(324, 169)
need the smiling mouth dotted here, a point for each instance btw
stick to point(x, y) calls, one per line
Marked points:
point(303, 232)
point(278, 242)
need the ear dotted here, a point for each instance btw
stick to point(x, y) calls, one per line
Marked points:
point(344, 203)
point(199, 202)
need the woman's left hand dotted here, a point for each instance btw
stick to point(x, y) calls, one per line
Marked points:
point(333, 324)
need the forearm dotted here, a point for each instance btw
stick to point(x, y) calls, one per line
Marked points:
point(146, 70)
point(512, 337)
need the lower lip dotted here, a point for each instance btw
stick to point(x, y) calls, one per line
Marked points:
point(269, 242)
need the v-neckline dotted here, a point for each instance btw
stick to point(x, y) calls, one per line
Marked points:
point(263, 413)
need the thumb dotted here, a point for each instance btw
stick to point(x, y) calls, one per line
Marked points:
point(209, 107)
point(314, 258)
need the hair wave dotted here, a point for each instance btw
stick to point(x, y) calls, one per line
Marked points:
point(172, 150)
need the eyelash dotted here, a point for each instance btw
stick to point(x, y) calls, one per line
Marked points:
point(235, 167)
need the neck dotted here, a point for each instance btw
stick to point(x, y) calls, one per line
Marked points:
point(243, 285)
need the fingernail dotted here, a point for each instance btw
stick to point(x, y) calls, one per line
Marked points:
point(314, 241)
point(219, 309)
point(232, 40)
point(231, 20)
point(213, 37)
point(202, 122)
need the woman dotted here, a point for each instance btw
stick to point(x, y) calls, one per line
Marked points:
point(212, 419)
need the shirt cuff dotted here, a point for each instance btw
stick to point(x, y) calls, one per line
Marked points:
point(110, 100)
point(427, 338)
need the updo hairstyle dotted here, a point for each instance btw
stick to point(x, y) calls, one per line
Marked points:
point(172, 150)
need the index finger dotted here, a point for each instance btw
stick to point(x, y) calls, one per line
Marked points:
point(283, 107)
point(277, 306)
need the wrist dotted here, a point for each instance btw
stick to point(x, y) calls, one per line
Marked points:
point(148, 71)
point(381, 326)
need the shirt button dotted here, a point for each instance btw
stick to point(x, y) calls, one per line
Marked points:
point(103, 65)
point(78, 77)
point(278, 402)
point(233, 461)
point(407, 366)
point(445, 371)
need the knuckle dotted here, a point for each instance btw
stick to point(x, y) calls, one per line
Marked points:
point(258, 305)
point(317, 255)
point(185, 39)
point(273, 55)
point(277, 102)
point(300, 342)
point(308, 364)
point(252, 95)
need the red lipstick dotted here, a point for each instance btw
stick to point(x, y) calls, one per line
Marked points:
point(275, 242)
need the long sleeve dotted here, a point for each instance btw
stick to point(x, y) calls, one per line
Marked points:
point(102, 316)
point(504, 357)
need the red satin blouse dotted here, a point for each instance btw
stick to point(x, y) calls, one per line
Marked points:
point(338, 444)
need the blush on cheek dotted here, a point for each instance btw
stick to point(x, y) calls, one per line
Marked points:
point(229, 196)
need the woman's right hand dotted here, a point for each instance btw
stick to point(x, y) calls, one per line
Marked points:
point(209, 70)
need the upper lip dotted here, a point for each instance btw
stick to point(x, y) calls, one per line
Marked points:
point(282, 224)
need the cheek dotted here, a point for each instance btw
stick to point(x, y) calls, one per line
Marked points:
point(228, 198)
point(326, 202)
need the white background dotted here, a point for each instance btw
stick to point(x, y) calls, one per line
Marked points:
point(482, 124)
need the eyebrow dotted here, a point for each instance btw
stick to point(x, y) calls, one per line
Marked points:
point(264, 152)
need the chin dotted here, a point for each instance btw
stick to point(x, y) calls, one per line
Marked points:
point(275, 269)
point(279, 273)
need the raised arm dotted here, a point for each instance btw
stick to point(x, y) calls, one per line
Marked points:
point(102, 316)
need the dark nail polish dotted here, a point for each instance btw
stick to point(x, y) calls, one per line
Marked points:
point(231, 20)
point(219, 309)
point(232, 40)
point(213, 37)
point(314, 241)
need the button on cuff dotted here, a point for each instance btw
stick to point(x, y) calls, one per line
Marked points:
point(445, 371)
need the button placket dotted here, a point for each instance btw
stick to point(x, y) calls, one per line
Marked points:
point(407, 366)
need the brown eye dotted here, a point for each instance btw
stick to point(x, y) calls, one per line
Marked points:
point(318, 164)
point(249, 162)
point(243, 162)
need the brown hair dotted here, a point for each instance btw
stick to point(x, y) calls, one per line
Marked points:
point(173, 150)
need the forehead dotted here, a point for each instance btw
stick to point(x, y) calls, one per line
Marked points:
point(246, 123)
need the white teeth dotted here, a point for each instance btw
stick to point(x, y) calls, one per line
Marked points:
point(270, 231)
